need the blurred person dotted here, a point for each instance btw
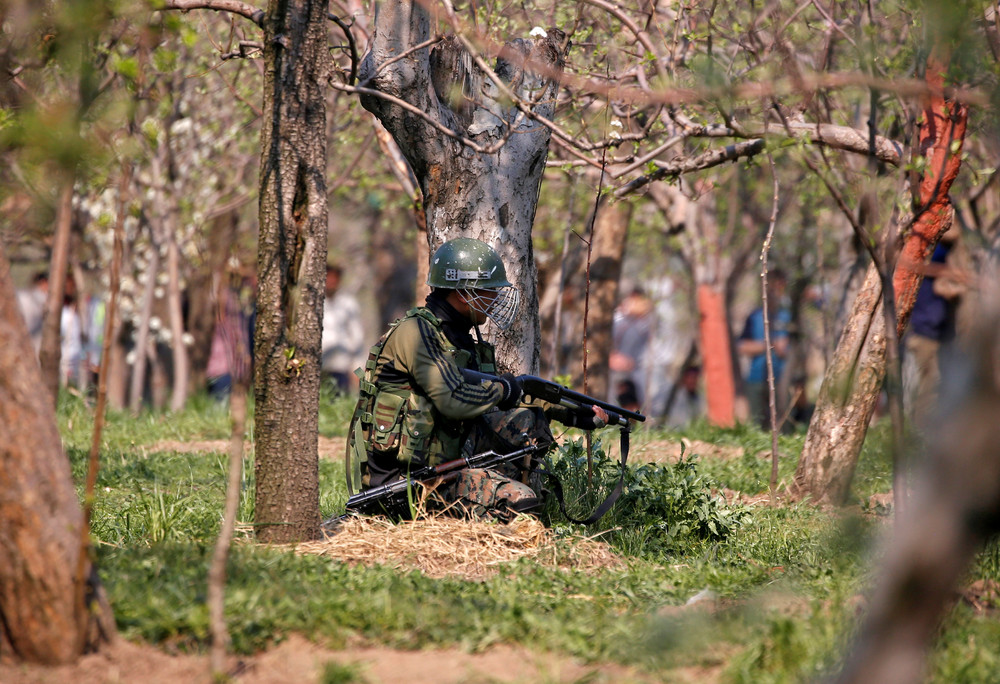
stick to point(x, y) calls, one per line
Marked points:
point(685, 402)
point(630, 334)
point(626, 395)
point(343, 345)
point(93, 335)
point(932, 326)
point(32, 304)
point(231, 355)
point(71, 355)
point(751, 345)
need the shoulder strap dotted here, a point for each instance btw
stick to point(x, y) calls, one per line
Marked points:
point(367, 392)
point(608, 502)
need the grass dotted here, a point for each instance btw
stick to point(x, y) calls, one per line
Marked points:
point(785, 578)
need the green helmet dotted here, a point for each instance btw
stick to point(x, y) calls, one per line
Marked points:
point(475, 269)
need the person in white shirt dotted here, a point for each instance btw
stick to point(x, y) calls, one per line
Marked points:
point(32, 304)
point(343, 334)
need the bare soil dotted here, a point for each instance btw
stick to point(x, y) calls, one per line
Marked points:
point(296, 660)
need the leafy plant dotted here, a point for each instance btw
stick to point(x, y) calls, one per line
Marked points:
point(662, 508)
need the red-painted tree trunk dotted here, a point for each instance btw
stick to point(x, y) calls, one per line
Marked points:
point(720, 389)
point(851, 386)
point(941, 137)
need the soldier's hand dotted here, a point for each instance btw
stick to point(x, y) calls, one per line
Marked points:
point(600, 417)
point(587, 421)
point(512, 392)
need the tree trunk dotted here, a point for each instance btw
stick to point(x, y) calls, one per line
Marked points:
point(955, 508)
point(854, 377)
point(606, 255)
point(179, 390)
point(291, 270)
point(466, 192)
point(50, 352)
point(717, 357)
point(140, 351)
point(40, 516)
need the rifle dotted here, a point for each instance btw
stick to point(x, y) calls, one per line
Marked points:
point(392, 494)
point(555, 393)
point(539, 388)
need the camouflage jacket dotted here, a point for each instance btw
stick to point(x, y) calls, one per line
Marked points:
point(414, 406)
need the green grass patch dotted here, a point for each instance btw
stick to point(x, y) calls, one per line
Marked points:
point(775, 588)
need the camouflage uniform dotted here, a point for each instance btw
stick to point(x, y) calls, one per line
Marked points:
point(416, 409)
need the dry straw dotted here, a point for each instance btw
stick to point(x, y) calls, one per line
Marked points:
point(449, 547)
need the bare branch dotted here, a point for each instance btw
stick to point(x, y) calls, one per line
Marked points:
point(352, 79)
point(839, 137)
point(416, 111)
point(254, 14)
point(703, 161)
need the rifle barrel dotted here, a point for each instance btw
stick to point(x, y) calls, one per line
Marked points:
point(556, 393)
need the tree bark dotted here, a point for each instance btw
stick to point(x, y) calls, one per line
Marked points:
point(140, 352)
point(713, 329)
point(40, 516)
point(854, 377)
point(491, 197)
point(606, 255)
point(291, 270)
point(179, 389)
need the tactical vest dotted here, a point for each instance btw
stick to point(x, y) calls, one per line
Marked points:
point(397, 422)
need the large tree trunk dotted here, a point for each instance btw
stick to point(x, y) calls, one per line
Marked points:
point(466, 192)
point(852, 382)
point(40, 516)
point(291, 271)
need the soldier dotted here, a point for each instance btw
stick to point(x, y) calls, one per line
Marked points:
point(415, 408)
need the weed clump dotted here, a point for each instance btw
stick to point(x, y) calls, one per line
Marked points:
point(664, 508)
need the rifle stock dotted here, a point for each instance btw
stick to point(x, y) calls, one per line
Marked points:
point(555, 393)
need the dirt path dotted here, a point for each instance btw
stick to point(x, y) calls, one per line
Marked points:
point(298, 661)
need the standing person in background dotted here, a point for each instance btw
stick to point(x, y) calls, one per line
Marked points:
point(32, 304)
point(231, 354)
point(751, 345)
point(343, 337)
point(932, 326)
point(71, 339)
point(631, 330)
point(685, 402)
point(92, 314)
